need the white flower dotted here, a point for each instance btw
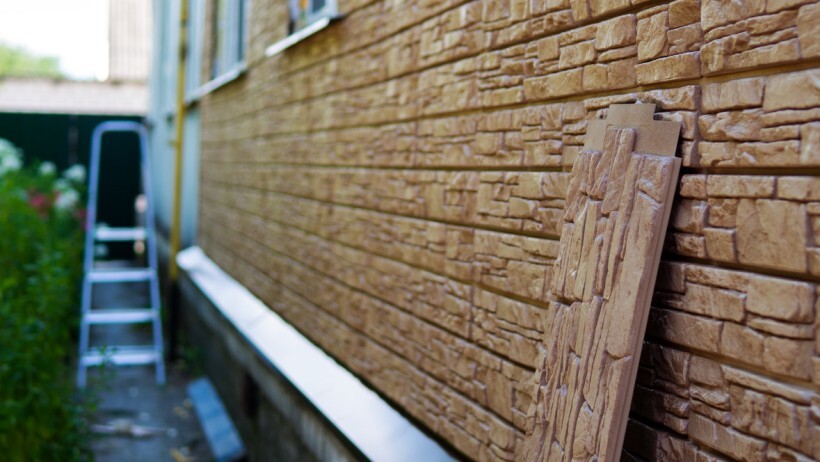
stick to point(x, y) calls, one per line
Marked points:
point(10, 163)
point(61, 184)
point(67, 200)
point(6, 148)
point(47, 169)
point(75, 173)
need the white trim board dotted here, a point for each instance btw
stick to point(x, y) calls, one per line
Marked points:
point(380, 432)
point(297, 37)
point(217, 82)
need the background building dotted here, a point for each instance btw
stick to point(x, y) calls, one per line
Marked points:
point(52, 119)
point(129, 40)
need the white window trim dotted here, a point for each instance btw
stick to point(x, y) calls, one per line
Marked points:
point(316, 21)
point(297, 36)
point(216, 83)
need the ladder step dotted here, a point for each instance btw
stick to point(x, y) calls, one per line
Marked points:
point(120, 316)
point(121, 275)
point(122, 356)
point(107, 234)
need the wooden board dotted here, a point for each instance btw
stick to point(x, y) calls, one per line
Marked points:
point(618, 205)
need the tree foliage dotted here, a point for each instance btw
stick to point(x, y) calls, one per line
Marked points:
point(18, 62)
point(40, 270)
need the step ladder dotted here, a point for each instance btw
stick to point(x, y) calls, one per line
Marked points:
point(120, 355)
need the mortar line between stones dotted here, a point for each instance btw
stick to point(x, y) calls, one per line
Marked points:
point(422, 168)
point(753, 171)
point(803, 277)
point(746, 171)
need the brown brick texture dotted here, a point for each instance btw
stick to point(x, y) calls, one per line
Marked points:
point(395, 186)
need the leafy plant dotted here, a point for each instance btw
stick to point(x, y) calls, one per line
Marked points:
point(40, 270)
point(18, 62)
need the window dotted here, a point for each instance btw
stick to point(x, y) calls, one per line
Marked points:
point(227, 37)
point(306, 12)
point(306, 18)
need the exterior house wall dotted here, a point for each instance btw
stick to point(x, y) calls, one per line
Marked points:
point(163, 82)
point(393, 186)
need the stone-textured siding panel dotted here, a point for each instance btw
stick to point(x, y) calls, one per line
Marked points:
point(395, 187)
point(617, 208)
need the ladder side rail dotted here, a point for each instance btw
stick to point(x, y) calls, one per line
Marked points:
point(88, 253)
point(150, 228)
point(91, 208)
point(151, 247)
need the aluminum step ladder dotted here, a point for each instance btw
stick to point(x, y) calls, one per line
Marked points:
point(119, 355)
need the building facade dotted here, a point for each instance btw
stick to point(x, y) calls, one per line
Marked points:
point(129, 40)
point(162, 118)
point(392, 185)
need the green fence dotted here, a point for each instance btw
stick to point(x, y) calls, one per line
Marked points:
point(65, 140)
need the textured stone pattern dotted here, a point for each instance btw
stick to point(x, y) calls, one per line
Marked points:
point(395, 187)
point(617, 209)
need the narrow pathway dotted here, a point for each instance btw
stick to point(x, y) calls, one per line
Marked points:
point(136, 420)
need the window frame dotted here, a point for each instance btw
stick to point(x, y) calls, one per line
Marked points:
point(329, 10)
point(313, 22)
point(234, 62)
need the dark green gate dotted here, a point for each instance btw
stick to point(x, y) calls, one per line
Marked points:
point(65, 140)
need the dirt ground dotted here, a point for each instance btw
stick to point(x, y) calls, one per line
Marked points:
point(137, 420)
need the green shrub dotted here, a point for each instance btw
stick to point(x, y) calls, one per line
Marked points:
point(41, 244)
